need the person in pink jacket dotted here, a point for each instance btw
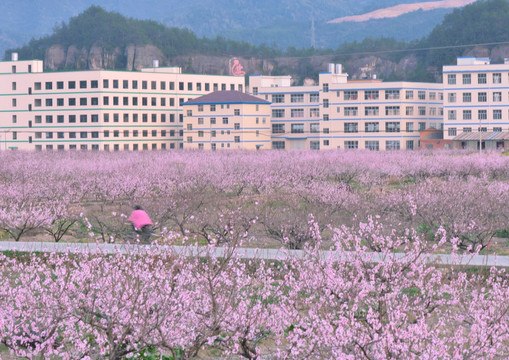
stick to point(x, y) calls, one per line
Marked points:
point(141, 223)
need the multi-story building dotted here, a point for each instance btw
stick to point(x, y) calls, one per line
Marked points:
point(98, 109)
point(338, 113)
point(476, 103)
point(227, 120)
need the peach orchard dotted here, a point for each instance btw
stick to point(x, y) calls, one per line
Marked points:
point(356, 204)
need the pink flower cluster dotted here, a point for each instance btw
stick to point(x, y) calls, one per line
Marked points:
point(344, 306)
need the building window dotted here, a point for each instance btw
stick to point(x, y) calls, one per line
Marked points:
point(325, 103)
point(325, 88)
point(467, 79)
point(236, 139)
point(392, 126)
point(351, 111)
point(409, 127)
point(351, 127)
point(297, 128)
point(467, 97)
point(83, 118)
point(422, 126)
point(451, 79)
point(481, 78)
point(297, 98)
point(278, 145)
point(278, 128)
point(409, 144)
point(391, 94)
point(497, 78)
point(71, 85)
point(497, 129)
point(409, 110)
point(314, 128)
point(497, 97)
point(212, 133)
point(409, 94)
point(482, 97)
point(451, 97)
point(392, 110)
point(371, 127)
point(49, 135)
point(278, 113)
point(225, 121)
point(421, 95)
point(372, 145)
point(326, 143)
point(351, 144)
point(314, 98)
point(236, 126)
point(392, 145)
point(467, 129)
point(451, 131)
point(371, 111)
point(236, 112)
point(497, 114)
point(72, 119)
point(314, 145)
point(49, 119)
point(451, 115)
point(325, 130)
point(325, 117)
point(83, 84)
point(482, 114)
point(467, 114)
point(83, 101)
point(297, 113)
point(371, 95)
point(314, 112)
point(351, 95)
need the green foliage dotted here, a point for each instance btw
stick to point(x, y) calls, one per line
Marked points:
point(481, 22)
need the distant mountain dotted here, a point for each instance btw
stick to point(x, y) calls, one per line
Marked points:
point(100, 39)
point(280, 23)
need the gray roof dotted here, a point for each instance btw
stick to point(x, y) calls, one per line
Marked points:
point(485, 135)
point(227, 97)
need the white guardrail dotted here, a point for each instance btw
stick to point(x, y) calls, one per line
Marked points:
point(246, 253)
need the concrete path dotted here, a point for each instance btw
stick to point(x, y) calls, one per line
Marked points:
point(246, 253)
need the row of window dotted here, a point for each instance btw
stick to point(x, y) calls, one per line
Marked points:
point(466, 79)
point(353, 144)
point(116, 101)
point(94, 118)
point(133, 85)
point(189, 139)
point(353, 95)
point(107, 147)
point(481, 114)
point(354, 111)
point(106, 134)
point(223, 121)
point(482, 96)
point(452, 131)
point(348, 127)
point(214, 133)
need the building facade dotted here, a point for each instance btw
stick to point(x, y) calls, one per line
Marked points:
point(227, 120)
point(98, 109)
point(476, 103)
point(342, 114)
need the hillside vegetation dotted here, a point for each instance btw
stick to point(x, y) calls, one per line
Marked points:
point(480, 23)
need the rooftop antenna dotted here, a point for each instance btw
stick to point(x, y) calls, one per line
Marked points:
point(313, 34)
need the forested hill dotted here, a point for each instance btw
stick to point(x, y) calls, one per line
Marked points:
point(101, 39)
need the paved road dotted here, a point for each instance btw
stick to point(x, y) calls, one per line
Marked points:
point(247, 253)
